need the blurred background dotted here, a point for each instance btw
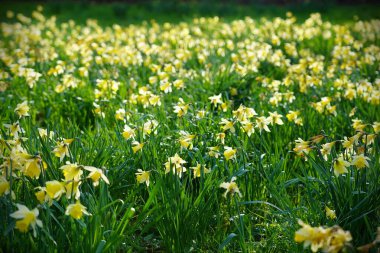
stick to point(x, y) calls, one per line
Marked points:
point(108, 12)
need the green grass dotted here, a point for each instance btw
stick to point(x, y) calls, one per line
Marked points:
point(167, 11)
point(187, 214)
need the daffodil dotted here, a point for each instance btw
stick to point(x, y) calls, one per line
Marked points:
point(231, 187)
point(95, 175)
point(76, 210)
point(26, 218)
point(330, 213)
point(198, 169)
point(360, 161)
point(176, 163)
point(128, 132)
point(72, 171)
point(216, 99)
point(340, 166)
point(315, 237)
point(22, 109)
point(72, 189)
point(54, 189)
point(62, 148)
point(4, 186)
point(143, 176)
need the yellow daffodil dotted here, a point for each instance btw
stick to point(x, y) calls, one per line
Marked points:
point(330, 213)
point(72, 171)
point(340, 166)
point(198, 169)
point(22, 109)
point(143, 176)
point(360, 161)
point(231, 187)
point(76, 210)
point(26, 219)
point(95, 175)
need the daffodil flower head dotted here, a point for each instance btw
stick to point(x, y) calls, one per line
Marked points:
point(26, 219)
point(76, 210)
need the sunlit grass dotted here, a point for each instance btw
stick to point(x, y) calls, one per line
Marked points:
point(200, 136)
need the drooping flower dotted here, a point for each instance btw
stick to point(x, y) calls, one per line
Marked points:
point(76, 210)
point(216, 99)
point(231, 187)
point(137, 146)
point(22, 109)
point(143, 176)
point(62, 149)
point(197, 170)
point(330, 213)
point(229, 153)
point(72, 171)
point(176, 163)
point(55, 189)
point(95, 175)
point(360, 161)
point(26, 219)
point(340, 166)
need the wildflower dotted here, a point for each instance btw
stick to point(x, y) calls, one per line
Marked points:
point(330, 213)
point(216, 99)
point(137, 146)
point(120, 114)
point(26, 218)
point(14, 128)
point(54, 189)
point(376, 127)
point(262, 123)
point(22, 109)
point(142, 176)
point(179, 84)
point(338, 240)
point(221, 137)
point(360, 161)
point(292, 115)
point(186, 140)
point(41, 195)
point(314, 236)
point(72, 171)
point(198, 169)
point(32, 165)
point(72, 189)
point(181, 108)
point(326, 149)
point(247, 127)
point(176, 164)
point(62, 149)
point(229, 153)
point(358, 125)
point(166, 87)
point(200, 114)
point(150, 126)
point(231, 187)
point(76, 210)
point(213, 151)
point(227, 125)
point(128, 132)
point(154, 100)
point(340, 166)
point(302, 147)
point(275, 118)
point(44, 133)
point(4, 186)
point(95, 175)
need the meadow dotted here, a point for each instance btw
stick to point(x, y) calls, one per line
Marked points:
point(202, 135)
